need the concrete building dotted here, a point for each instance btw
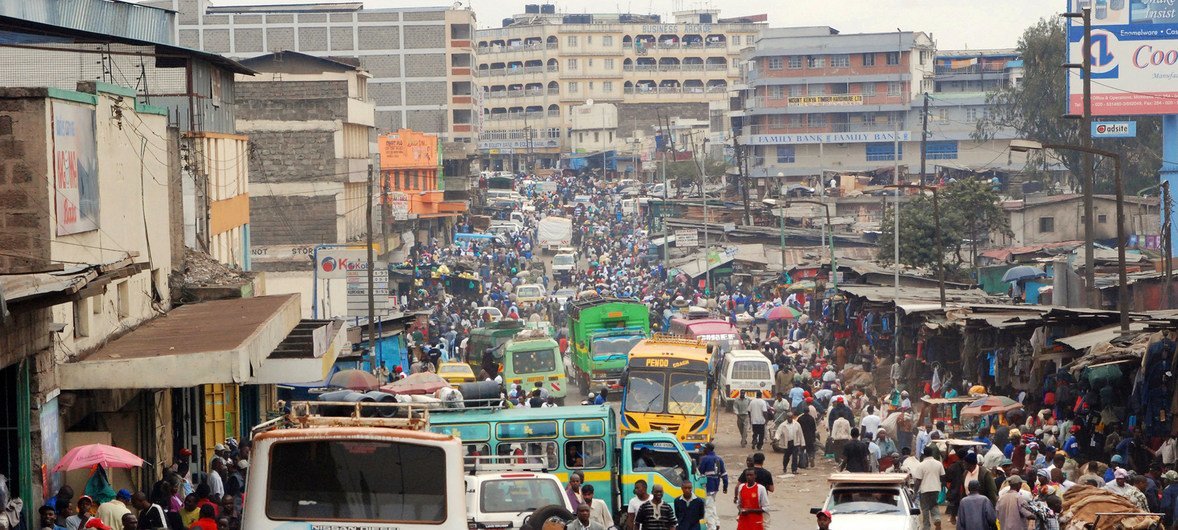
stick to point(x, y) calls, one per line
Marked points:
point(813, 100)
point(420, 59)
point(541, 64)
point(1059, 218)
point(977, 70)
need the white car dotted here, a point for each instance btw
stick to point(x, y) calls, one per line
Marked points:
point(564, 296)
point(507, 500)
point(880, 501)
point(494, 312)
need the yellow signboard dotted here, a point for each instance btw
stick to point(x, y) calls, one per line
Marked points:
point(408, 149)
point(814, 101)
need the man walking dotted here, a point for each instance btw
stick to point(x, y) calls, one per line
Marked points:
point(928, 474)
point(757, 411)
point(855, 454)
point(976, 512)
point(582, 521)
point(740, 407)
point(790, 435)
point(714, 471)
point(656, 514)
point(1012, 506)
point(689, 509)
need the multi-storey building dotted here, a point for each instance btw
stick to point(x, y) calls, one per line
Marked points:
point(813, 100)
point(420, 58)
point(540, 65)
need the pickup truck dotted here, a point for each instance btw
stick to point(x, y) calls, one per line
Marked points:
point(507, 499)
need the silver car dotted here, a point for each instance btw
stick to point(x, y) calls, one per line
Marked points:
point(876, 501)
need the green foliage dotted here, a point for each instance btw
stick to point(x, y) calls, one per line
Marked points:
point(969, 211)
point(686, 173)
point(1034, 110)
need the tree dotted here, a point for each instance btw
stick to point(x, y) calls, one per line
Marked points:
point(1034, 110)
point(970, 213)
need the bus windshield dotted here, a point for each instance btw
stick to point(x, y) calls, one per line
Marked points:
point(688, 394)
point(644, 392)
point(356, 480)
point(533, 361)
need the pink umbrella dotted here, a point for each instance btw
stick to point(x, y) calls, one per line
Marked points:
point(354, 380)
point(782, 312)
point(86, 456)
point(419, 383)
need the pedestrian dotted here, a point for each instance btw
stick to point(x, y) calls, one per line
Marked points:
point(64, 497)
point(641, 497)
point(48, 518)
point(976, 512)
point(573, 491)
point(758, 415)
point(855, 455)
point(598, 511)
point(1012, 508)
point(809, 437)
point(790, 435)
point(130, 522)
point(740, 407)
point(207, 520)
point(75, 521)
point(151, 515)
point(751, 501)
point(714, 472)
point(689, 509)
point(111, 512)
point(928, 474)
point(824, 517)
point(655, 514)
point(764, 477)
point(583, 521)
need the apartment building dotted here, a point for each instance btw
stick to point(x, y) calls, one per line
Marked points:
point(541, 64)
point(813, 100)
point(420, 58)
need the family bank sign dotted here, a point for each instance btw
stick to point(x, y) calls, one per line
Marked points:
point(829, 138)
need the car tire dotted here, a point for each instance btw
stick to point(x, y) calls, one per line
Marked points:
point(538, 518)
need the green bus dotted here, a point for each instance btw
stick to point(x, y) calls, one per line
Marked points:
point(531, 357)
point(577, 438)
point(494, 336)
point(602, 332)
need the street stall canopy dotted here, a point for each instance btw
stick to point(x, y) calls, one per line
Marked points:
point(224, 341)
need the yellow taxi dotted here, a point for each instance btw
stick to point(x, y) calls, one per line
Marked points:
point(456, 373)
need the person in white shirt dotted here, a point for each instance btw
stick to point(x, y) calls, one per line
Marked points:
point(870, 422)
point(757, 409)
point(789, 433)
point(640, 497)
point(928, 474)
point(598, 511)
point(909, 463)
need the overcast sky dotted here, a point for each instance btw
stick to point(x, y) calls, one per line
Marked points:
point(955, 24)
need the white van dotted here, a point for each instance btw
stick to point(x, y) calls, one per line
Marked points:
point(745, 371)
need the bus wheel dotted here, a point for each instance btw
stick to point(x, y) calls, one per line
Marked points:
point(541, 518)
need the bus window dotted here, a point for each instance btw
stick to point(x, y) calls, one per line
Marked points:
point(584, 454)
point(535, 361)
point(688, 394)
point(663, 461)
point(531, 453)
point(584, 428)
point(526, 430)
point(477, 449)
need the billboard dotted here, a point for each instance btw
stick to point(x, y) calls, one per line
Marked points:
point(1134, 57)
point(408, 149)
point(337, 262)
point(75, 168)
point(818, 101)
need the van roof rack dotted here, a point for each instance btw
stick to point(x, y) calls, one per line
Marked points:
point(503, 464)
point(392, 415)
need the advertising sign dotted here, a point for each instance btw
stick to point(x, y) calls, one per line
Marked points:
point(1114, 129)
point(408, 149)
point(382, 299)
point(828, 138)
point(815, 101)
point(336, 262)
point(75, 168)
point(399, 205)
point(1134, 57)
point(686, 238)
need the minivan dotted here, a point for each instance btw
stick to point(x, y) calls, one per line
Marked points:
point(745, 371)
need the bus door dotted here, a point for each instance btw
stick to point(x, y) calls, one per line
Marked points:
point(657, 458)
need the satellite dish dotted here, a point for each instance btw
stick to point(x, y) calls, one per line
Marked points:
point(589, 102)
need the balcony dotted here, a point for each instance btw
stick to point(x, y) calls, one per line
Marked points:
point(513, 48)
point(973, 69)
point(819, 129)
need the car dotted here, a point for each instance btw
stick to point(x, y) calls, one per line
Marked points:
point(509, 499)
point(529, 293)
point(493, 312)
point(881, 501)
point(456, 373)
point(564, 296)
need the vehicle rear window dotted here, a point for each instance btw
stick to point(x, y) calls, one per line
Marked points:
point(532, 362)
point(866, 501)
point(750, 370)
point(519, 495)
point(364, 480)
point(562, 260)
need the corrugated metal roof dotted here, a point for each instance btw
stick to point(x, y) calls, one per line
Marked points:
point(104, 17)
point(1087, 340)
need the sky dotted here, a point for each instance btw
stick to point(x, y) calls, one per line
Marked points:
point(954, 24)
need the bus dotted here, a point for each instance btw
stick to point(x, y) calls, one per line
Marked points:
point(491, 336)
point(669, 388)
point(602, 330)
point(716, 331)
point(531, 357)
point(576, 438)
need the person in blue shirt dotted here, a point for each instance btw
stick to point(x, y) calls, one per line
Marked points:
point(796, 395)
point(1071, 446)
point(1170, 498)
point(713, 469)
point(602, 397)
point(1116, 463)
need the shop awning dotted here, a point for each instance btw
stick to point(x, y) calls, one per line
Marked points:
point(223, 341)
point(1083, 341)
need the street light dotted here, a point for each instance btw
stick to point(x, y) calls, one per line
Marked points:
point(937, 231)
point(1022, 146)
point(829, 230)
point(781, 178)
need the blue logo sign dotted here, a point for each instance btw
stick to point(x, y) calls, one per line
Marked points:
point(1114, 129)
point(1104, 63)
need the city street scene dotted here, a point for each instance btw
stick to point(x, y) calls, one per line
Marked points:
point(671, 265)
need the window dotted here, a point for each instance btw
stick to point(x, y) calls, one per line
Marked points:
point(736, 40)
point(814, 61)
point(893, 58)
point(869, 59)
point(82, 317)
point(608, 64)
point(754, 370)
point(878, 152)
point(589, 39)
point(840, 61)
point(543, 453)
point(124, 302)
point(607, 86)
point(868, 89)
point(1102, 218)
point(893, 88)
point(590, 65)
point(515, 495)
point(572, 64)
point(775, 63)
point(573, 87)
point(582, 454)
point(533, 361)
point(943, 114)
point(777, 91)
point(607, 40)
point(795, 120)
point(1046, 225)
point(572, 40)
point(795, 62)
point(785, 154)
point(941, 150)
point(815, 120)
point(817, 90)
point(777, 120)
point(971, 113)
point(357, 481)
point(591, 86)
point(596, 136)
point(797, 91)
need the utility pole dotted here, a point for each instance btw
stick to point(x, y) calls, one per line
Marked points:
point(742, 169)
point(924, 139)
point(663, 207)
point(896, 207)
point(1085, 67)
point(371, 272)
point(386, 209)
point(1168, 243)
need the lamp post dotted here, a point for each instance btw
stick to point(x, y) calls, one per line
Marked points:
point(781, 218)
point(937, 231)
point(1085, 68)
point(829, 230)
point(1022, 146)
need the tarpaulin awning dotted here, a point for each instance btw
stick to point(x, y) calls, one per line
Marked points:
point(224, 341)
point(1083, 341)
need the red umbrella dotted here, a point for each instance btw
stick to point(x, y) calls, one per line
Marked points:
point(86, 456)
point(354, 380)
point(419, 383)
point(990, 405)
point(782, 312)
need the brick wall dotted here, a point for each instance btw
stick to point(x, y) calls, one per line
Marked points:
point(26, 334)
point(292, 219)
point(292, 100)
point(292, 156)
point(645, 116)
point(24, 201)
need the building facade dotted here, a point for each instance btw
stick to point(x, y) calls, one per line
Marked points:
point(420, 59)
point(540, 65)
point(813, 100)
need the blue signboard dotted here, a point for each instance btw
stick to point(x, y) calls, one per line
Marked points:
point(1114, 129)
